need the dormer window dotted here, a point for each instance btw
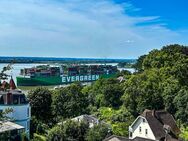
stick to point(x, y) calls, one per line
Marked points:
point(144, 120)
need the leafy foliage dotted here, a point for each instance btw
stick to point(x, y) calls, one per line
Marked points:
point(3, 74)
point(161, 82)
point(40, 100)
point(69, 130)
point(139, 64)
point(70, 101)
point(98, 133)
point(180, 102)
point(119, 119)
point(105, 93)
point(143, 91)
point(184, 134)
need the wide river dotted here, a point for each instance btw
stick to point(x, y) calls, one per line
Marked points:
point(15, 71)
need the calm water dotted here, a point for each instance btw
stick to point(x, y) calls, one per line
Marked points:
point(16, 68)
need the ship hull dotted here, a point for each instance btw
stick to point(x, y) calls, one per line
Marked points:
point(58, 80)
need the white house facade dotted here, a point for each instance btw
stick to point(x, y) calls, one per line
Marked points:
point(20, 108)
point(20, 114)
point(140, 128)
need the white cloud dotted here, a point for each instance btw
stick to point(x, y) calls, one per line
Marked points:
point(78, 28)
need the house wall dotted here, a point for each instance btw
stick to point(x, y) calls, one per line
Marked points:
point(21, 115)
point(142, 123)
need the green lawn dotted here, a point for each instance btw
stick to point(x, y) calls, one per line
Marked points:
point(27, 88)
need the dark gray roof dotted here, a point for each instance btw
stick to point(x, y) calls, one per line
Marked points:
point(120, 138)
point(167, 119)
point(17, 97)
point(157, 120)
point(87, 118)
point(141, 139)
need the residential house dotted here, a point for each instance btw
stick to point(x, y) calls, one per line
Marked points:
point(91, 120)
point(155, 125)
point(16, 100)
point(10, 131)
point(119, 138)
point(151, 125)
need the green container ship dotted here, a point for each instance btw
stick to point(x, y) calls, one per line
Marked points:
point(46, 75)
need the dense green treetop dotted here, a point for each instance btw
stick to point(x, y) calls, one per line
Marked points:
point(70, 102)
point(162, 75)
point(105, 92)
point(40, 100)
point(168, 56)
point(78, 131)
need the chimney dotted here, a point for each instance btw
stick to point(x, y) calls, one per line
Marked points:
point(12, 84)
point(4, 85)
point(153, 113)
point(9, 98)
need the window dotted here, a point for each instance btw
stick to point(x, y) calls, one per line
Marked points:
point(1, 100)
point(28, 111)
point(15, 99)
point(146, 132)
point(140, 129)
point(144, 120)
point(130, 134)
point(22, 99)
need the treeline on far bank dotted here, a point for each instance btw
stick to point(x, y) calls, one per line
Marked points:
point(160, 82)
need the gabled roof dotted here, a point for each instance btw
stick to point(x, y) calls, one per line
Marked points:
point(120, 138)
point(88, 118)
point(12, 84)
point(9, 126)
point(141, 139)
point(117, 138)
point(157, 121)
point(167, 119)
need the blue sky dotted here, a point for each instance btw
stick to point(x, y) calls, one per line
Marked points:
point(90, 28)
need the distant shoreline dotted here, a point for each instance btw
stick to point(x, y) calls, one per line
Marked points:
point(61, 60)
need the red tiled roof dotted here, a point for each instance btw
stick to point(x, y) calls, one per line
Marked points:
point(12, 84)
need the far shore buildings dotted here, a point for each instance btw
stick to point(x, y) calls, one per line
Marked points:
point(151, 125)
point(14, 99)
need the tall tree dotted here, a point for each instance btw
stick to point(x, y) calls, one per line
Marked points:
point(106, 92)
point(98, 133)
point(68, 131)
point(40, 100)
point(70, 101)
point(143, 91)
point(181, 104)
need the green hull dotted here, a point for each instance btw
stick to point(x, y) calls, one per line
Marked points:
point(38, 81)
point(54, 80)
